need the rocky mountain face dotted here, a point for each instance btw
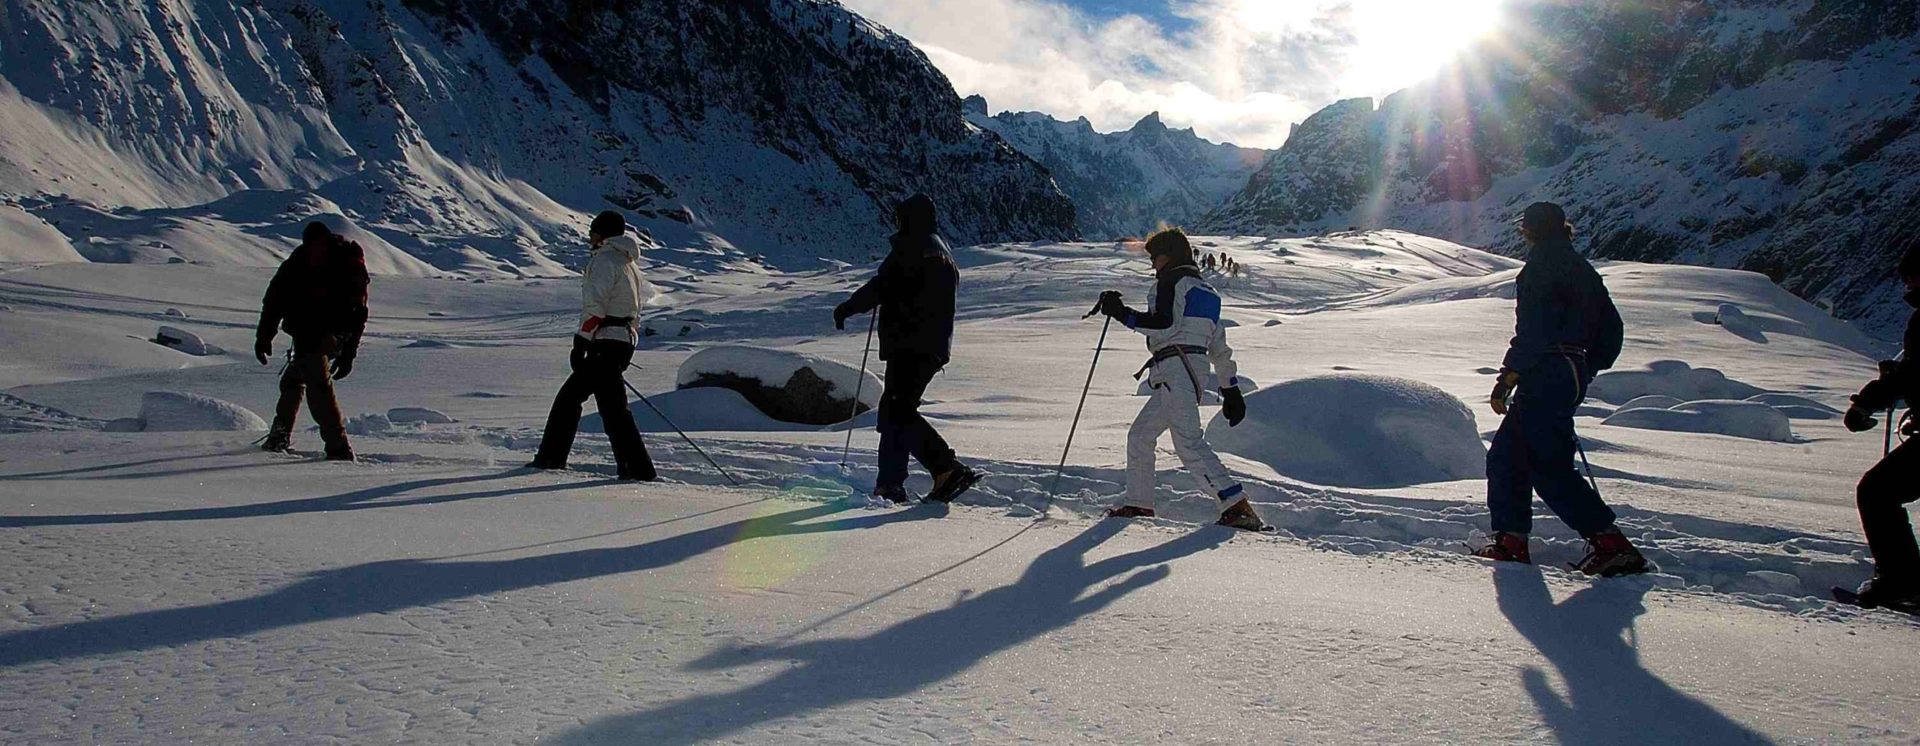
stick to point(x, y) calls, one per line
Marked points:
point(1772, 136)
point(478, 135)
point(1126, 183)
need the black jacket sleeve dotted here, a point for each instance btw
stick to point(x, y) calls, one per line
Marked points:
point(876, 290)
point(273, 306)
point(1899, 380)
point(1159, 315)
point(1535, 293)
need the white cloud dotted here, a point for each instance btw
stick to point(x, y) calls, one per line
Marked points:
point(1244, 72)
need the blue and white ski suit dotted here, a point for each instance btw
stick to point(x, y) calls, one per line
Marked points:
point(1183, 331)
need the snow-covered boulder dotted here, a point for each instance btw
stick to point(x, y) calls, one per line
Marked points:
point(1740, 419)
point(368, 424)
point(1653, 401)
point(1357, 430)
point(419, 416)
point(702, 409)
point(184, 341)
point(1797, 407)
point(176, 411)
point(787, 386)
point(1672, 378)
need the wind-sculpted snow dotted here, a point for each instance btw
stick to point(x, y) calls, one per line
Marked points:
point(1356, 431)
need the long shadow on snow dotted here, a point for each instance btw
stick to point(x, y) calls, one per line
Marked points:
point(909, 655)
point(355, 500)
point(392, 585)
point(1611, 698)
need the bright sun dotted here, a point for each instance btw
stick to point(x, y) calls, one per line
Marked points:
point(1398, 42)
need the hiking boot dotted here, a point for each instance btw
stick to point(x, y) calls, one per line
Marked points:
point(642, 472)
point(1129, 511)
point(952, 483)
point(546, 464)
point(1505, 546)
point(277, 443)
point(895, 494)
point(1241, 516)
point(1883, 590)
point(342, 452)
point(1609, 554)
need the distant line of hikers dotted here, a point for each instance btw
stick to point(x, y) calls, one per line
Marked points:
point(1567, 330)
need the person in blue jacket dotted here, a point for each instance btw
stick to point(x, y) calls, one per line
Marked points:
point(914, 290)
point(1566, 330)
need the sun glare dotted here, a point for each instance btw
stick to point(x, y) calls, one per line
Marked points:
point(1402, 42)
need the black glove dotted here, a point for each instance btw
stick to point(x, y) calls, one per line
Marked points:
point(1233, 406)
point(1908, 427)
point(578, 358)
point(1859, 421)
point(263, 350)
point(342, 367)
point(1503, 390)
point(840, 315)
point(1113, 304)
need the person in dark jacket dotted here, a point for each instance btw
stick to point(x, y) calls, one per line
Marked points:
point(611, 291)
point(914, 292)
point(319, 297)
point(1566, 330)
point(1885, 490)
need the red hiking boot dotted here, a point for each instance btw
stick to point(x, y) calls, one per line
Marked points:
point(1506, 547)
point(1609, 554)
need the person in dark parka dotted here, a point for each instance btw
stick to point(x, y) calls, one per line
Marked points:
point(1885, 490)
point(914, 291)
point(1566, 330)
point(319, 298)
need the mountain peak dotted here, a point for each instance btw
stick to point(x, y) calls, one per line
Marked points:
point(1150, 123)
point(974, 104)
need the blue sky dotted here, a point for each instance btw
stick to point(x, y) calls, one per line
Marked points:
point(1240, 71)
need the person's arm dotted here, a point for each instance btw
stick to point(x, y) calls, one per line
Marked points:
point(870, 294)
point(272, 312)
point(1159, 315)
point(1221, 355)
point(1531, 310)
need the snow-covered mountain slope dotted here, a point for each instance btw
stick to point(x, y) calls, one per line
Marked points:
point(1774, 137)
point(170, 587)
point(475, 134)
point(1126, 183)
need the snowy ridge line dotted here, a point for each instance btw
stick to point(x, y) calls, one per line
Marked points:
point(1758, 566)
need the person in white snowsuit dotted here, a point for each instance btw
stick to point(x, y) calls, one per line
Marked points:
point(1183, 331)
point(610, 298)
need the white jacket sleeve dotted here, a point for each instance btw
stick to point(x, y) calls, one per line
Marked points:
point(1221, 356)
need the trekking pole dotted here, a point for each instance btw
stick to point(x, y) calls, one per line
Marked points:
point(853, 409)
point(1582, 448)
point(1054, 488)
point(676, 428)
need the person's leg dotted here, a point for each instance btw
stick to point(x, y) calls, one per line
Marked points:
point(292, 389)
point(1182, 414)
point(920, 439)
point(1509, 488)
point(556, 444)
point(1142, 437)
point(315, 367)
point(1883, 495)
point(609, 360)
point(1550, 394)
point(899, 402)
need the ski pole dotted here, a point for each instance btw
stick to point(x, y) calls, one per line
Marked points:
point(853, 409)
point(1054, 488)
point(676, 428)
point(1582, 447)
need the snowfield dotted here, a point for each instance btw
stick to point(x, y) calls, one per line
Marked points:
point(182, 587)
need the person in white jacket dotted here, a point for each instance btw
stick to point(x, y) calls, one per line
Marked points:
point(610, 295)
point(1188, 342)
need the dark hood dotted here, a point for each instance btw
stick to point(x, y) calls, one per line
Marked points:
point(915, 216)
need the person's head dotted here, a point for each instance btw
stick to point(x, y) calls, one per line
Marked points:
point(606, 225)
point(1543, 221)
point(1169, 247)
point(914, 216)
point(1910, 267)
point(316, 232)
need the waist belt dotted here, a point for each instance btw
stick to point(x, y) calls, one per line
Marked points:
point(616, 321)
point(1569, 350)
point(1176, 351)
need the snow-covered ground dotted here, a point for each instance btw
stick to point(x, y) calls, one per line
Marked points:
point(175, 587)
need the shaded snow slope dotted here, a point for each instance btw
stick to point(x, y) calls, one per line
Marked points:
point(476, 136)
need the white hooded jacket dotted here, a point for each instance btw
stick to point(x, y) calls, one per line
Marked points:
point(611, 287)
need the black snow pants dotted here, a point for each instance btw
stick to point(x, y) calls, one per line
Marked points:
point(597, 372)
point(1883, 495)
